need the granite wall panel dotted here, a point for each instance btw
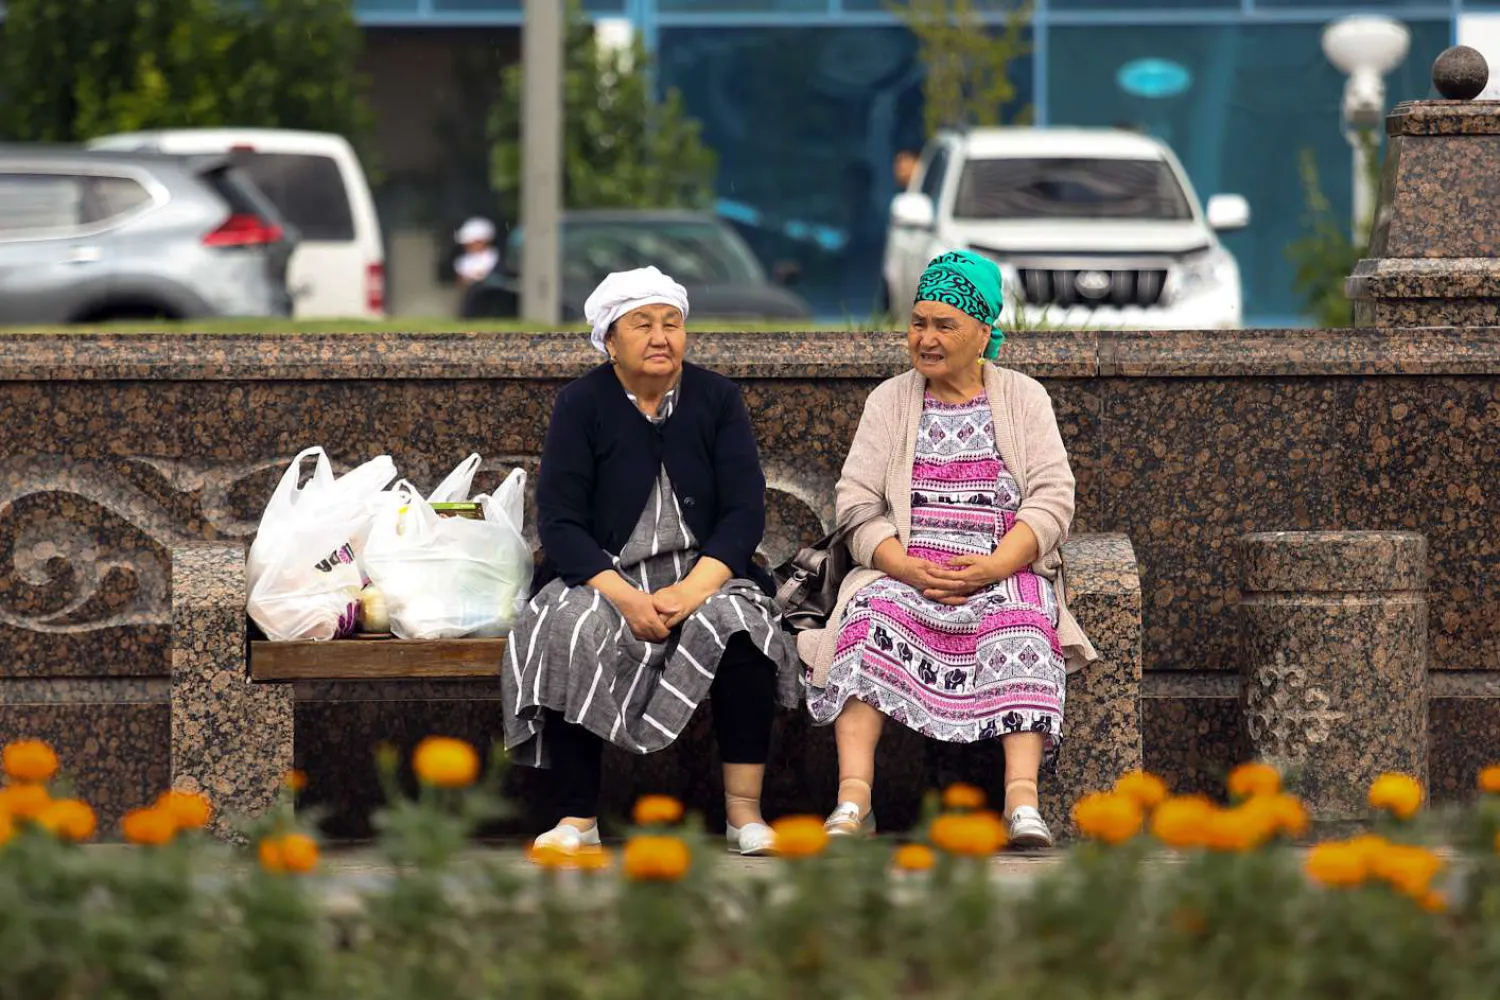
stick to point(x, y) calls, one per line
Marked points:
point(117, 449)
point(113, 752)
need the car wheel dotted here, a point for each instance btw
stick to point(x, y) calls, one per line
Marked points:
point(124, 312)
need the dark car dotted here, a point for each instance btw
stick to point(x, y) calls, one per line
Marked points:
point(723, 278)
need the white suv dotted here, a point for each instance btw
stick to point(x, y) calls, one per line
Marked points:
point(1090, 227)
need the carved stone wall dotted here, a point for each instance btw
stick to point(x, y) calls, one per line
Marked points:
point(115, 449)
point(1333, 631)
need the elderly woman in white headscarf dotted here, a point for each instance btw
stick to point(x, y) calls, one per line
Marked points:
point(651, 503)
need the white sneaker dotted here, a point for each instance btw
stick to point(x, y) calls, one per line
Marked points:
point(1028, 831)
point(752, 840)
point(568, 839)
point(845, 821)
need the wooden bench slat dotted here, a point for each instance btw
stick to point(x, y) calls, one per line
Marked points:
point(375, 659)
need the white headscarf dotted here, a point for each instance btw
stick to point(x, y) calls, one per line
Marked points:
point(476, 230)
point(623, 291)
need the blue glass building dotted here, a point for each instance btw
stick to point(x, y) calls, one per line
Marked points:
point(807, 101)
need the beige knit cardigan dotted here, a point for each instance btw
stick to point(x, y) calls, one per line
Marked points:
point(874, 492)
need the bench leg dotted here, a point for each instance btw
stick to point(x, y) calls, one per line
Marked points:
point(231, 739)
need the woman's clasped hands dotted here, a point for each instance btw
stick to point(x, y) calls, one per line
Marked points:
point(953, 584)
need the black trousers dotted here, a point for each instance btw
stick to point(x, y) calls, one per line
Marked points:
point(743, 701)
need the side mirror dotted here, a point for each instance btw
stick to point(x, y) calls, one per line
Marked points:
point(913, 210)
point(786, 273)
point(1227, 211)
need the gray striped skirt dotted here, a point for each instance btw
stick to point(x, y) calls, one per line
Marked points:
point(572, 652)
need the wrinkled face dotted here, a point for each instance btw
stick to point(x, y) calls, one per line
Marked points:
point(648, 342)
point(944, 340)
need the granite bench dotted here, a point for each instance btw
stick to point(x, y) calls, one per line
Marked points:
point(233, 699)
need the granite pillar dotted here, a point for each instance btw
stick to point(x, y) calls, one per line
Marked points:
point(231, 739)
point(1102, 725)
point(1333, 643)
point(1434, 257)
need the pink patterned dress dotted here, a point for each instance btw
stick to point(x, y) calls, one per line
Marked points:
point(989, 667)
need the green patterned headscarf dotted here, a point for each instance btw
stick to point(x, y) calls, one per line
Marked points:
point(971, 284)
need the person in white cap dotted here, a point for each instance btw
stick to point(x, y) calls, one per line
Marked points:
point(650, 506)
point(479, 259)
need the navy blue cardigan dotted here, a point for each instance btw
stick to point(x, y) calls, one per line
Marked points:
point(601, 459)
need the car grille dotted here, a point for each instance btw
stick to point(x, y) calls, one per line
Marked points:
point(1090, 288)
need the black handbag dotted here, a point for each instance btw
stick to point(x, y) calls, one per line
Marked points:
point(807, 585)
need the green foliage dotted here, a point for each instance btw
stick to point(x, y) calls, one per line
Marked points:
point(1325, 255)
point(968, 65)
point(77, 70)
point(621, 148)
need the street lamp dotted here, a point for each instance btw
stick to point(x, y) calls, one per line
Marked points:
point(1364, 47)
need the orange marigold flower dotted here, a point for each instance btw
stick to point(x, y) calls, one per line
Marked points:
point(547, 856)
point(592, 859)
point(1237, 829)
point(68, 819)
point(1147, 789)
point(1489, 780)
point(656, 859)
point(914, 858)
point(1182, 821)
point(1407, 868)
point(1398, 794)
point(7, 827)
point(29, 760)
point(24, 801)
point(299, 853)
point(269, 853)
point(657, 810)
point(1259, 819)
point(295, 779)
point(150, 827)
point(1250, 780)
point(962, 796)
point(800, 836)
point(971, 835)
point(189, 810)
point(445, 762)
point(1434, 902)
point(1337, 864)
point(1290, 814)
point(1108, 817)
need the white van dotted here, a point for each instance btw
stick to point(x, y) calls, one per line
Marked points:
point(315, 180)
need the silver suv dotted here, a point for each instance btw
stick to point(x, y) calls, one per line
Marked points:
point(90, 237)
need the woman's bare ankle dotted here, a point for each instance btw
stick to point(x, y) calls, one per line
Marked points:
point(857, 791)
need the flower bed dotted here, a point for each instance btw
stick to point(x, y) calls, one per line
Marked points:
point(1243, 914)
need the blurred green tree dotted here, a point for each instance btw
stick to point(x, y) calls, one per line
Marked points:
point(621, 147)
point(968, 64)
point(1328, 249)
point(74, 70)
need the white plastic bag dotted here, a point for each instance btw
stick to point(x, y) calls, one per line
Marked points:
point(455, 488)
point(451, 577)
point(304, 574)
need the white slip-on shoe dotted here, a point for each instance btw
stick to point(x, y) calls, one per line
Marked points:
point(567, 839)
point(752, 840)
point(1028, 831)
point(845, 821)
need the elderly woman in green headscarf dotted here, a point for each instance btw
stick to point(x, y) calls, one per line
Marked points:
point(958, 494)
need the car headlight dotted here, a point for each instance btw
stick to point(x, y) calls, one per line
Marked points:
point(1203, 272)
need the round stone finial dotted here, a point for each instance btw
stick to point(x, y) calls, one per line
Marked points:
point(1460, 73)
